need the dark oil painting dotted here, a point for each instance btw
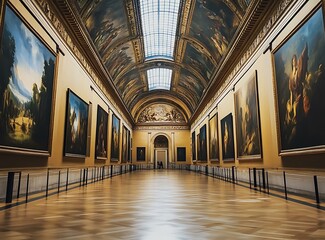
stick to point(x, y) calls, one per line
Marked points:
point(181, 154)
point(124, 144)
point(106, 23)
point(213, 138)
point(214, 24)
point(101, 134)
point(193, 146)
point(227, 138)
point(203, 143)
point(199, 61)
point(198, 145)
point(76, 124)
point(141, 153)
point(115, 146)
point(300, 86)
point(27, 69)
point(247, 120)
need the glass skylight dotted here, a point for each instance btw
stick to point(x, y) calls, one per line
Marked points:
point(159, 21)
point(159, 78)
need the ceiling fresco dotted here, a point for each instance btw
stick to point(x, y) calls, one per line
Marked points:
point(206, 29)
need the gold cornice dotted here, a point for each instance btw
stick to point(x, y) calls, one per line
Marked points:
point(131, 17)
point(75, 39)
point(161, 128)
point(259, 34)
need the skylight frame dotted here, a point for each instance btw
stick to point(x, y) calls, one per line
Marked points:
point(159, 20)
point(159, 78)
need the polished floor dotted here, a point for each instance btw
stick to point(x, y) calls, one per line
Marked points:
point(162, 204)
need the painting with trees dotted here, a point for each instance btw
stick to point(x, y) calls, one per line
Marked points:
point(27, 69)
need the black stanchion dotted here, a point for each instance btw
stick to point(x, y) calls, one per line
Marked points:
point(67, 181)
point(111, 171)
point(285, 185)
point(233, 173)
point(316, 190)
point(47, 183)
point(10, 186)
point(59, 182)
point(19, 182)
point(254, 176)
point(267, 183)
point(80, 177)
point(27, 186)
point(250, 179)
point(263, 178)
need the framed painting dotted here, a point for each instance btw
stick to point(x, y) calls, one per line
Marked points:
point(129, 146)
point(213, 139)
point(27, 72)
point(203, 143)
point(300, 85)
point(101, 134)
point(76, 122)
point(227, 134)
point(181, 154)
point(115, 146)
point(124, 144)
point(193, 147)
point(247, 120)
point(198, 145)
point(141, 154)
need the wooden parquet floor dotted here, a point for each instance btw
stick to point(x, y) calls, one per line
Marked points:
point(161, 204)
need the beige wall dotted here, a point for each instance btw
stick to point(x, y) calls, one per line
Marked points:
point(145, 138)
point(224, 104)
point(69, 74)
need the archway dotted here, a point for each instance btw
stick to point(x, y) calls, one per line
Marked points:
point(161, 152)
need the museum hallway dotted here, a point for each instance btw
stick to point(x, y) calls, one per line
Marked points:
point(162, 204)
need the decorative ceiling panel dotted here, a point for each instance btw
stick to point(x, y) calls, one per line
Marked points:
point(107, 22)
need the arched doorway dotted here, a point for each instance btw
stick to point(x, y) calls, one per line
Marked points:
point(161, 151)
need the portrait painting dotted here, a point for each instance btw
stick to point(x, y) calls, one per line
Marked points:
point(193, 147)
point(181, 154)
point(247, 120)
point(213, 139)
point(27, 69)
point(214, 24)
point(101, 134)
point(203, 143)
point(299, 63)
point(115, 146)
point(124, 144)
point(199, 61)
point(141, 154)
point(227, 138)
point(76, 124)
point(106, 22)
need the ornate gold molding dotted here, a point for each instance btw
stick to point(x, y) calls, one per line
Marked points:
point(161, 128)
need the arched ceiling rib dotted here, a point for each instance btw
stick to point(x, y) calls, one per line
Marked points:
point(205, 34)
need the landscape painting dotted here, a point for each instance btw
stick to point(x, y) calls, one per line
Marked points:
point(247, 120)
point(76, 124)
point(115, 146)
point(27, 69)
point(101, 134)
point(299, 64)
point(213, 139)
point(227, 137)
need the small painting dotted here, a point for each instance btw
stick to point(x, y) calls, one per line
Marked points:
point(101, 134)
point(300, 85)
point(141, 154)
point(203, 143)
point(213, 139)
point(227, 134)
point(193, 147)
point(247, 120)
point(115, 146)
point(76, 124)
point(27, 69)
point(181, 154)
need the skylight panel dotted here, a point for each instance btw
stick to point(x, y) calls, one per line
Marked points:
point(159, 78)
point(159, 22)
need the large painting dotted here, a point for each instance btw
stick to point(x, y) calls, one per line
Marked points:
point(227, 135)
point(300, 85)
point(141, 154)
point(198, 145)
point(247, 120)
point(101, 134)
point(181, 154)
point(115, 146)
point(203, 143)
point(124, 144)
point(193, 147)
point(76, 124)
point(213, 139)
point(27, 70)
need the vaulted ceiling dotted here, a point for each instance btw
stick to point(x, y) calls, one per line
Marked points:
point(206, 32)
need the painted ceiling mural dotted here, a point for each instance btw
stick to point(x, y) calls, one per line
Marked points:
point(114, 26)
point(161, 113)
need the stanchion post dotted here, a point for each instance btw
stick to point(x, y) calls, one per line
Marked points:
point(47, 183)
point(27, 186)
point(19, 182)
point(316, 190)
point(285, 185)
